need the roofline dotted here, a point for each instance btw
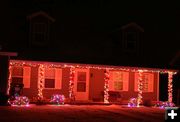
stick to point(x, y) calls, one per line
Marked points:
point(8, 54)
point(40, 13)
point(96, 66)
point(175, 58)
point(132, 23)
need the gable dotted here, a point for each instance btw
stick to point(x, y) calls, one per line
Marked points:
point(40, 14)
point(133, 27)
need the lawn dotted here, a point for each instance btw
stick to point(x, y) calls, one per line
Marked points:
point(80, 113)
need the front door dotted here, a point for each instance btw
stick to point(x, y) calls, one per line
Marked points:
point(81, 86)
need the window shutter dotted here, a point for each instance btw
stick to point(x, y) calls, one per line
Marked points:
point(150, 82)
point(26, 76)
point(111, 81)
point(135, 81)
point(125, 81)
point(58, 77)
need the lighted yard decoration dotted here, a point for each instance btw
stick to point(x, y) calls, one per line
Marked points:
point(19, 101)
point(132, 102)
point(162, 104)
point(57, 99)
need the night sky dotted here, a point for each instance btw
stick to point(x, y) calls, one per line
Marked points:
point(91, 25)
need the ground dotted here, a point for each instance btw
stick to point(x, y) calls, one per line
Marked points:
point(81, 113)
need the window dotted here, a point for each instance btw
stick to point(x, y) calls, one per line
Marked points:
point(81, 81)
point(118, 81)
point(39, 32)
point(17, 75)
point(21, 75)
point(53, 78)
point(130, 41)
point(147, 81)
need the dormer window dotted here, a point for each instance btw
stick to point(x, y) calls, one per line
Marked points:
point(39, 32)
point(131, 40)
point(131, 37)
point(39, 29)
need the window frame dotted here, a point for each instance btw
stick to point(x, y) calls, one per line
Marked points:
point(26, 75)
point(126, 42)
point(55, 80)
point(125, 81)
point(150, 77)
point(44, 33)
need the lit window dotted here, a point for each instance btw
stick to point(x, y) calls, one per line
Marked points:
point(53, 78)
point(118, 81)
point(21, 75)
point(147, 82)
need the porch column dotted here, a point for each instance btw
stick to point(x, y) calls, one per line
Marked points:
point(41, 73)
point(9, 79)
point(71, 84)
point(106, 86)
point(140, 86)
point(170, 86)
point(4, 73)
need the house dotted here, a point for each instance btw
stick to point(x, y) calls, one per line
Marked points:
point(71, 37)
point(86, 82)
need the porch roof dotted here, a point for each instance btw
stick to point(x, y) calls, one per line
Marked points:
point(95, 66)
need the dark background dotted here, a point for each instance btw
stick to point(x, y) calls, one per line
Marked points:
point(89, 32)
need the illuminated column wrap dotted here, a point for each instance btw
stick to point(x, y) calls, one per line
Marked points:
point(71, 83)
point(140, 87)
point(41, 76)
point(170, 85)
point(9, 79)
point(106, 86)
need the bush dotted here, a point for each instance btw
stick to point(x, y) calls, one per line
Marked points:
point(147, 102)
point(3, 99)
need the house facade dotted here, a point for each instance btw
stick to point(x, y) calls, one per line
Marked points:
point(87, 81)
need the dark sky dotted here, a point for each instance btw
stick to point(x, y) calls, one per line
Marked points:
point(86, 20)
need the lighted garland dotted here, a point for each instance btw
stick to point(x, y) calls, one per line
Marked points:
point(170, 85)
point(86, 66)
point(106, 86)
point(71, 84)
point(41, 82)
point(19, 101)
point(140, 87)
point(57, 99)
point(9, 79)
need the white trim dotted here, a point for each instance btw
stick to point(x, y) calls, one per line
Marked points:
point(82, 95)
point(157, 86)
point(125, 81)
point(27, 76)
point(56, 85)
